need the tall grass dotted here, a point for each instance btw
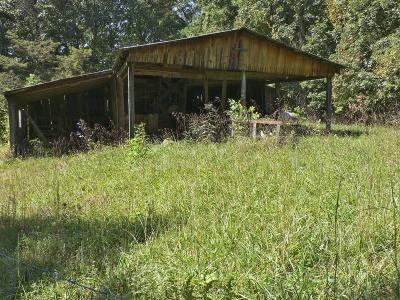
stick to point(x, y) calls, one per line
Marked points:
point(239, 220)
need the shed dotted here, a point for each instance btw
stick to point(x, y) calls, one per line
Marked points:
point(149, 82)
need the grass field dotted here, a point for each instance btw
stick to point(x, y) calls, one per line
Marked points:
point(237, 220)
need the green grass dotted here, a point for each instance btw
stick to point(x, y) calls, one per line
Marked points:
point(238, 220)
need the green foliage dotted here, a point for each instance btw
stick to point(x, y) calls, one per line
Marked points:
point(369, 37)
point(139, 145)
point(360, 34)
point(210, 125)
point(77, 62)
point(241, 219)
point(240, 114)
point(53, 39)
point(32, 79)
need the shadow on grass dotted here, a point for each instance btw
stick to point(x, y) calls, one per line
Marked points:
point(301, 130)
point(70, 244)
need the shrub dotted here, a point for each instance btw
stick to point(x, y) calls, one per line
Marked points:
point(211, 125)
point(240, 114)
point(139, 145)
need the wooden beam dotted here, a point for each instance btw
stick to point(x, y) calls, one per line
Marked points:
point(184, 100)
point(13, 120)
point(123, 71)
point(35, 127)
point(278, 95)
point(223, 92)
point(80, 105)
point(206, 92)
point(172, 88)
point(329, 103)
point(131, 100)
point(21, 130)
point(114, 101)
point(120, 104)
point(243, 87)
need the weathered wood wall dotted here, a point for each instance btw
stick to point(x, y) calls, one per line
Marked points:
point(238, 50)
point(219, 52)
point(264, 56)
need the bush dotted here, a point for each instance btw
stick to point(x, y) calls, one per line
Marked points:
point(240, 114)
point(211, 125)
point(85, 138)
point(139, 144)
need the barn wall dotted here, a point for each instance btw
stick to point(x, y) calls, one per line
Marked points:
point(266, 57)
point(219, 52)
point(223, 52)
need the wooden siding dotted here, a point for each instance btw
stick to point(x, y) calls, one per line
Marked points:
point(218, 52)
point(263, 56)
point(222, 52)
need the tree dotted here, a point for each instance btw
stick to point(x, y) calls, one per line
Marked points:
point(368, 33)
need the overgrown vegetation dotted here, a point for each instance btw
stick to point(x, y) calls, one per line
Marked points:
point(85, 138)
point(242, 219)
point(139, 144)
point(50, 39)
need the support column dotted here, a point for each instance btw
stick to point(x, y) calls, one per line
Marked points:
point(329, 103)
point(278, 95)
point(206, 95)
point(35, 127)
point(114, 101)
point(243, 87)
point(131, 100)
point(223, 96)
point(13, 121)
point(185, 89)
point(120, 103)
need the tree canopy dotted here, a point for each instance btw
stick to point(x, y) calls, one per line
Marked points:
point(49, 39)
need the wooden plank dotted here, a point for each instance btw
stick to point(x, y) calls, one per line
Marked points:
point(279, 101)
point(114, 101)
point(21, 129)
point(278, 131)
point(131, 100)
point(243, 87)
point(120, 103)
point(221, 52)
point(206, 91)
point(184, 98)
point(265, 122)
point(172, 88)
point(13, 121)
point(329, 103)
point(35, 127)
point(223, 96)
point(254, 130)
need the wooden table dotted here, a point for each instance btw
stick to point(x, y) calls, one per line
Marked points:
point(266, 122)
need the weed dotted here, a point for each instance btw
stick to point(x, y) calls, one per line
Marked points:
point(241, 219)
point(138, 145)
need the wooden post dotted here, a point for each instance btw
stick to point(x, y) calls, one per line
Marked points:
point(120, 103)
point(206, 95)
point(80, 109)
point(131, 100)
point(243, 87)
point(223, 96)
point(21, 132)
point(35, 127)
point(12, 116)
point(254, 130)
point(278, 95)
point(184, 108)
point(114, 101)
point(278, 131)
point(329, 103)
